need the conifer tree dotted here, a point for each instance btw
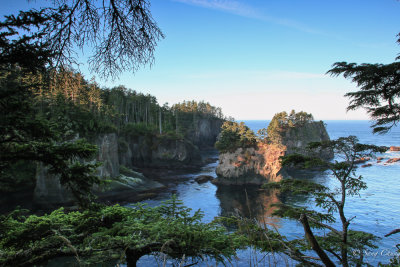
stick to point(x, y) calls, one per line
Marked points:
point(338, 244)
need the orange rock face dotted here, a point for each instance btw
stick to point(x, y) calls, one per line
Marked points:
point(395, 148)
point(252, 165)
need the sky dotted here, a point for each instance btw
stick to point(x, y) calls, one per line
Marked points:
point(256, 58)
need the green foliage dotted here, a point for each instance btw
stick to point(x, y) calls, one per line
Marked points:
point(281, 122)
point(234, 135)
point(105, 233)
point(140, 129)
point(202, 109)
point(339, 243)
point(20, 176)
point(27, 135)
point(379, 91)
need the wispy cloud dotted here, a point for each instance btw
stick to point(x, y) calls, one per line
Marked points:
point(243, 10)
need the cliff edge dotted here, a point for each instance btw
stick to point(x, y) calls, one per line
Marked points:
point(249, 159)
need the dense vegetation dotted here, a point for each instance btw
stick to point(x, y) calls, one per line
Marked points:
point(281, 122)
point(59, 106)
point(235, 135)
point(114, 234)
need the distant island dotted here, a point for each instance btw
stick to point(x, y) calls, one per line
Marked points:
point(247, 158)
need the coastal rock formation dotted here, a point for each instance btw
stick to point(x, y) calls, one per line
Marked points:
point(205, 133)
point(108, 155)
point(203, 179)
point(250, 165)
point(155, 152)
point(158, 152)
point(50, 193)
point(296, 139)
point(260, 162)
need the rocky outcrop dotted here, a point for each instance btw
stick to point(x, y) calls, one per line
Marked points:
point(158, 152)
point(131, 185)
point(201, 179)
point(261, 163)
point(250, 165)
point(48, 191)
point(296, 139)
point(108, 155)
point(205, 132)
point(146, 152)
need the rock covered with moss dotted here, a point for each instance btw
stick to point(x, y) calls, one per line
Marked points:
point(257, 161)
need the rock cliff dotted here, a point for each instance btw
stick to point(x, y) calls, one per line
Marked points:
point(50, 193)
point(158, 152)
point(250, 165)
point(205, 133)
point(260, 163)
point(296, 139)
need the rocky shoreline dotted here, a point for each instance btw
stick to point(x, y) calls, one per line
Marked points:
point(260, 163)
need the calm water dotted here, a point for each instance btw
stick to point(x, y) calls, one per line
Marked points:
point(376, 210)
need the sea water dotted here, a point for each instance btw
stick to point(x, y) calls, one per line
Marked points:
point(376, 210)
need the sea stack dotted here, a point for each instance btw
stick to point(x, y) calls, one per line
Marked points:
point(251, 159)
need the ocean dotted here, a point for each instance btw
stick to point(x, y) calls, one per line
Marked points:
point(376, 210)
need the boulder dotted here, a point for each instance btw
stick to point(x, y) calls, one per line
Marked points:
point(210, 160)
point(366, 165)
point(394, 148)
point(203, 179)
point(393, 160)
point(362, 160)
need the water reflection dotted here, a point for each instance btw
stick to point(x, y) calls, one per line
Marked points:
point(249, 202)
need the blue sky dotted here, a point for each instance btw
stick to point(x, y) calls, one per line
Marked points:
point(256, 58)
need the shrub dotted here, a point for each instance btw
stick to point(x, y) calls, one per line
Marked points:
point(234, 135)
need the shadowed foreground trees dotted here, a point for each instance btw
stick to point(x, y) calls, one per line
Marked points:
point(122, 35)
point(115, 233)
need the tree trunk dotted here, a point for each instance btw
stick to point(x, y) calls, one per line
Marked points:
point(313, 242)
point(160, 121)
point(133, 255)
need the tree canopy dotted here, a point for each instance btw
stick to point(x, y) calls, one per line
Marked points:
point(121, 34)
point(282, 121)
point(379, 90)
point(235, 135)
point(114, 233)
